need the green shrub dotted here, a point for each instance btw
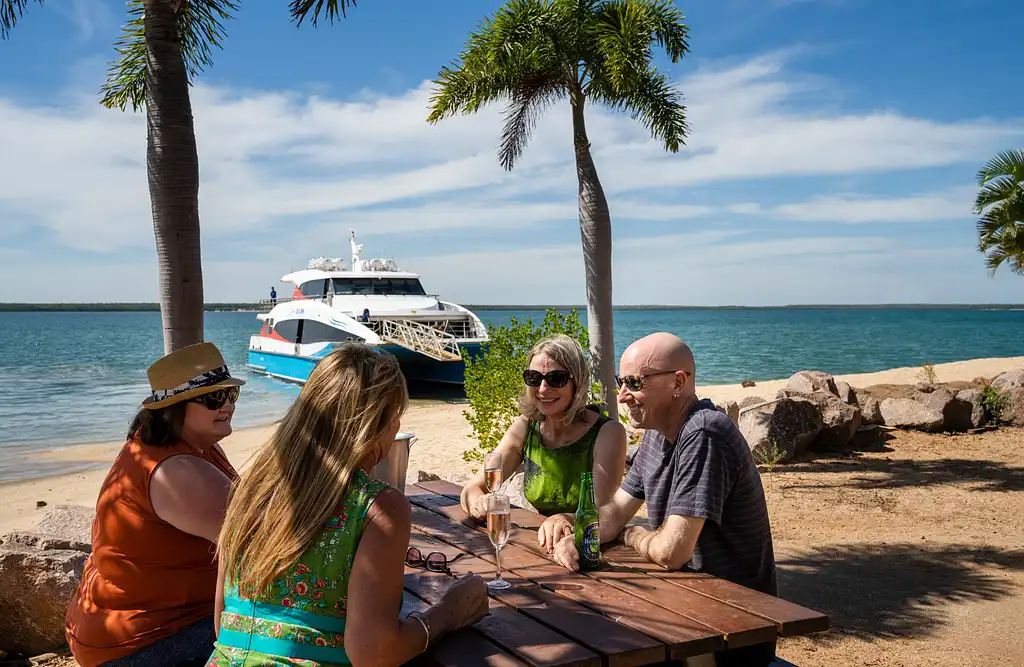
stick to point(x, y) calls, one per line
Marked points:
point(994, 403)
point(927, 373)
point(495, 378)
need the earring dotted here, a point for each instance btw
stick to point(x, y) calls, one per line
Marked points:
point(675, 395)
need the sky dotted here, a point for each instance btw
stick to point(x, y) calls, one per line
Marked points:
point(832, 157)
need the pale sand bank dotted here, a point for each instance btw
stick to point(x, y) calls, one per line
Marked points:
point(442, 435)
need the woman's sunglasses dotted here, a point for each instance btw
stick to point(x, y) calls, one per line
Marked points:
point(556, 379)
point(434, 561)
point(636, 382)
point(215, 400)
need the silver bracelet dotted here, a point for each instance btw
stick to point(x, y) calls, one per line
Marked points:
point(426, 628)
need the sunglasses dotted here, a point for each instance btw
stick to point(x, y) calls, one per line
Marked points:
point(215, 400)
point(636, 382)
point(434, 561)
point(555, 379)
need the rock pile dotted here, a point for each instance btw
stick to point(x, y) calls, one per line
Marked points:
point(816, 411)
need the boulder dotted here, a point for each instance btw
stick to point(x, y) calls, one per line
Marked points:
point(513, 488)
point(908, 413)
point(746, 384)
point(846, 393)
point(1013, 413)
point(780, 428)
point(749, 401)
point(808, 382)
point(973, 397)
point(38, 577)
point(870, 410)
point(731, 408)
point(956, 413)
point(70, 521)
point(839, 419)
point(1009, 380)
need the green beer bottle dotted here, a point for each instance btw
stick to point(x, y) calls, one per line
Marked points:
point(588, 525)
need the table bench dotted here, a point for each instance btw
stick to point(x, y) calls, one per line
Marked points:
point(628, 613)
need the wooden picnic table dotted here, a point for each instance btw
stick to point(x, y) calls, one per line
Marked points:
point(627, 613)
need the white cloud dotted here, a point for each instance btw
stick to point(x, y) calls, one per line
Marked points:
point(305, 168)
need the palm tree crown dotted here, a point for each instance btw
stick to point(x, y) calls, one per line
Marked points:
point(535, 52)
point(1000, 205)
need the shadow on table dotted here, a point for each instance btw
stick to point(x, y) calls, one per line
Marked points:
point(875, 591)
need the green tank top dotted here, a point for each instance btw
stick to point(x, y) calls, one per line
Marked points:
point(301, 622)
point(551, 480)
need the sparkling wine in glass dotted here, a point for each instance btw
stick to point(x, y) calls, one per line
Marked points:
point(499, 525)
point(492, 471)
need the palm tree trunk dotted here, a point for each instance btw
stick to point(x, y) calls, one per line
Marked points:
point(173, 166)
point(596, 234)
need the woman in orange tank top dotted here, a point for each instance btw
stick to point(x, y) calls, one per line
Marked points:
point(147, 592)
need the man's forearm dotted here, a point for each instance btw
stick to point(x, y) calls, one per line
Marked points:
point(652, 545)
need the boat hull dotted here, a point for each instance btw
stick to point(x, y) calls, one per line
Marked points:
point(294, 368)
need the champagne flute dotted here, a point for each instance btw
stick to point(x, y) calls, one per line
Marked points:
point(492, 471)
point(499, 525)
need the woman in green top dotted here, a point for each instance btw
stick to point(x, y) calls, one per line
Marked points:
point(312, 549)
point(557, 438)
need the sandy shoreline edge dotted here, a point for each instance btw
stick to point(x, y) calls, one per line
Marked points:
point(442, 435)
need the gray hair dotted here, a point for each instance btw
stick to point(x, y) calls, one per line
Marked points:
point(567, 353)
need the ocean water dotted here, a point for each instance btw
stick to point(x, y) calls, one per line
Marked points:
point(73, 378)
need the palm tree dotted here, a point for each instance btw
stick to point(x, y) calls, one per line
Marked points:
point(532, 53)
point(165, 44)
point(1000, 203)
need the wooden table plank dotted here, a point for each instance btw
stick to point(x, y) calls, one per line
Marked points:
point(462, 648)
point(533, 643)
point(619, 645)
point(790, 619)
point(739, 627)
point(684, 637)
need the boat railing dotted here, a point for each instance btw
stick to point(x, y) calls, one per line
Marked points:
point(421, 338)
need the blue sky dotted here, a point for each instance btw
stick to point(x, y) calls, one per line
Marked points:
point(831, 160)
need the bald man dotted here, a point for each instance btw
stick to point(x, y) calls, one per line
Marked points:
point(705, 503)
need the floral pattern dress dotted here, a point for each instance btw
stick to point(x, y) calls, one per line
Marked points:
point(301, 622)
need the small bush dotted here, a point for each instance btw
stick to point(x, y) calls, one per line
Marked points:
point(994, 403)
point(495, 378)
point(928, 373)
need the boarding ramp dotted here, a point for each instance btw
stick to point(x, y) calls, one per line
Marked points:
point(420, 338)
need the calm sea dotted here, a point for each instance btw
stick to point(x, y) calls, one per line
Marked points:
point(72, 378)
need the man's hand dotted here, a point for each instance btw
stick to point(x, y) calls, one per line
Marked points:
point(566, 554)
point(553, 529)
point(632, 535)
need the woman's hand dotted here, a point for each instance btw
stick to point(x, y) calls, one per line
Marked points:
point(478, 507)
point(566, 554)
point(463, 604)
point(554, 528)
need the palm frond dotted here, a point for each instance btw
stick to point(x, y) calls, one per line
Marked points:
point(200, 28)
point(526, 104)
point(668, 27)
point(651, 99)
point(1007, 164)
point(10, 12)
point(331, 10)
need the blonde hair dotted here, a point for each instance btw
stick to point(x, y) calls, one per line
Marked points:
point(299, 476)
point(567, 353)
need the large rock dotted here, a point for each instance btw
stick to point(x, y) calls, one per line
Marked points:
point(870, 410)
point(1013, 413)
point(781, 429)
point(750, 401)
point(973, 397)
point(846, 393)
point(1009, 380)
point(513, 488)
point(839, 419)
point(956, 413)
point(38, 577)
point(808, 382)
point(71, 521)
point(731, 408)
point(908, 413)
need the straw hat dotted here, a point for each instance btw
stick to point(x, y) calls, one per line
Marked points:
point(186, 373)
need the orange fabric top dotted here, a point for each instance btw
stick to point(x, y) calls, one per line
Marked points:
point(145, 579)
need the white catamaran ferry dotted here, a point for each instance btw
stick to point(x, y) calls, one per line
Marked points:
point(373, 302)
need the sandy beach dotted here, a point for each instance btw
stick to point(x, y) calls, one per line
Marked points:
point(441, 431)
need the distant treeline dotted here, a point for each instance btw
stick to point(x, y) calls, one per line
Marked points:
point(144, 307)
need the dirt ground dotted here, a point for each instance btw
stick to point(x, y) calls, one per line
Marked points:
point(912, 543)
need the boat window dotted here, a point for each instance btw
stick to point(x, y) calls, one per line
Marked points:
point(287, 329)
point(314, 289)
point(379, 286)
point(318, 332)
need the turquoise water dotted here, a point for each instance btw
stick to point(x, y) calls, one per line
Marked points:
point(71, 378)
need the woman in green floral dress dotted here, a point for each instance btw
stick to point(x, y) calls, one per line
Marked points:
point(312, 550)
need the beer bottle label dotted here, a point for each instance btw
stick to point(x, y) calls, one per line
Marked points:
point(592, 542)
